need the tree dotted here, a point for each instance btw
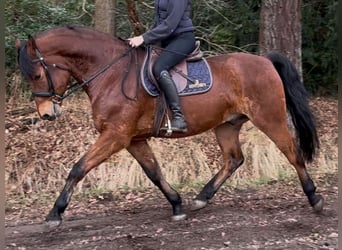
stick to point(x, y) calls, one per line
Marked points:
point(280, 29)
point(105, 16)
point(133, 17)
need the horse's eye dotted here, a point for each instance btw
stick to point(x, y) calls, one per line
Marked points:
point(37, 77)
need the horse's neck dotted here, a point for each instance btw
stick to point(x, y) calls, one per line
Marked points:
point(85, 53)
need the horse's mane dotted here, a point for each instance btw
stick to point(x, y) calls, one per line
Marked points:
point(26, 64)
point(79, 30)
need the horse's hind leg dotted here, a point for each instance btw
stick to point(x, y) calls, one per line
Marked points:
point(228, 138)
point(279, 133)
point(142, 152)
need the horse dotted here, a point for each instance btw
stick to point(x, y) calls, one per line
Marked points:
point(265, 90)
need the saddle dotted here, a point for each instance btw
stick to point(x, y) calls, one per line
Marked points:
point(179, 72)
point(191, 76)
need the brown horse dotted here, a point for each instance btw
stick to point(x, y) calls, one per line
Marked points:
point(264, 90)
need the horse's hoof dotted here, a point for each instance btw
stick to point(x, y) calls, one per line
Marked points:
point(318, 207)
point(52, 224)
point(179, 217)
point(198, 204)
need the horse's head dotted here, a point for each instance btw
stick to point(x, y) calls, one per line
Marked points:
point(47, 74)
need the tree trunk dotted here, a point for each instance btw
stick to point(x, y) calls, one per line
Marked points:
point(134, 18)
point(280, 29)
point(105, 16)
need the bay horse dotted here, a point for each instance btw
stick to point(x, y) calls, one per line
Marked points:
point(263, 89)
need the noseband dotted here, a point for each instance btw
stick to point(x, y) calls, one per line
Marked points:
point(58, 98)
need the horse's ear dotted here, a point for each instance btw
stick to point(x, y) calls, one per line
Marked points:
point(31, 46)
point(18, 43)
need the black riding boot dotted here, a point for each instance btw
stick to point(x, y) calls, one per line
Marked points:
point(168, 86)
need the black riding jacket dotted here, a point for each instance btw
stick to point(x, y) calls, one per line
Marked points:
point(172, 17)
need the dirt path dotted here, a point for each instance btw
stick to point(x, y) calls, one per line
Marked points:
point(276, 216)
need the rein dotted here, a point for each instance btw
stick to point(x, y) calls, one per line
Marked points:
point(57, 98)
point(137, 74)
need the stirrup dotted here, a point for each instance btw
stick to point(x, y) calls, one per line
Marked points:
point(181, 130)
point(177, 128)
point(169, 129)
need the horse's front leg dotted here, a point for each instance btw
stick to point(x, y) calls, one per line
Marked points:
point(104, 147)
point(142, 152)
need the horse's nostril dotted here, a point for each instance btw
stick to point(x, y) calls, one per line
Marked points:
point(47, 117)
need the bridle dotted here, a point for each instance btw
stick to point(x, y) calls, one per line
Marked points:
point(58, 98)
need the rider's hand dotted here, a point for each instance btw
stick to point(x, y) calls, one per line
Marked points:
point(136, 41)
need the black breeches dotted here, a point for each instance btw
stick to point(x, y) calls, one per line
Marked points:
point(175, 50)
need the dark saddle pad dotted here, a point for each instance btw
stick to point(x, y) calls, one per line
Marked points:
point(191, 76)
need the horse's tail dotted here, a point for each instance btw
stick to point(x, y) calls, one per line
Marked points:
point(298, 106)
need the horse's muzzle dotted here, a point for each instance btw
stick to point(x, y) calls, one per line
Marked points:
point(49, 112)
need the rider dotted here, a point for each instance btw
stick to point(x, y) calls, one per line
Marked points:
point(174, 31)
